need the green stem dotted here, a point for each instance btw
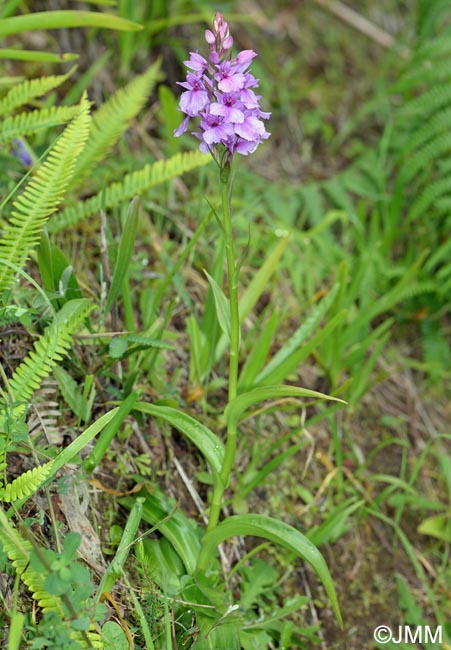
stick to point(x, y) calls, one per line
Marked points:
point(233, 291)
point(230, 450)
point(215, 506)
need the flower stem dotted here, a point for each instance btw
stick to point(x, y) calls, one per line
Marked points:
point(229, 457)
point(233, 291)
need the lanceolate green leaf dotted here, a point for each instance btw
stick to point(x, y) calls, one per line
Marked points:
point(172, 523)
point(41, 197)
point(132, 185)
point(240, 404)
point(116, 565)
point(222, 306)
point(256, 288)
point(68, 454)
point(106, 437)
point(275, 531)
point(205, 440)
point(258, 354)
point(54, 267)
point(125, 252)
point(59, 19)
point(34, 55)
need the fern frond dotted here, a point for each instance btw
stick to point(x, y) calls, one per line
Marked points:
point(22, 93)
point(26, 484)
point(134, 184)
point(48, 349)
point(443, 205)
point(430, 194)
point(427, 104)
point(437, 124)
point(19, 551)
point(444, 166)
point(428, 154)
point(431, 49)
point(41, 197)
point(24, 124)
point(112, 119)
point(425, 73)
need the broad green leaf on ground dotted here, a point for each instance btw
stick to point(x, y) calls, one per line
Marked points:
point(275, 531)
point(210, 446)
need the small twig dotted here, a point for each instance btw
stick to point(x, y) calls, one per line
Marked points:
point(99, 335)
point(191, 489)
point(365, 26)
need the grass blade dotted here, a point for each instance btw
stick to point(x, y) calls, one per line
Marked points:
point(125, 252)
point(240, 404)
point(68, 18)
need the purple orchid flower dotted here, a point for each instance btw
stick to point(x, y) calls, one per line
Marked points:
point(218, 92)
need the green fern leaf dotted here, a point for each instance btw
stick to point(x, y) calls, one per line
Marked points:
point(134, 184)
point(22, 93)
point(429, 196)
point(48, 349)
point(426, 72)
point(26, 484)
point(427, 104)
point(41, 198)
point(24, 124)
point(425, 156)
point(431, 49)
point(444, 166)
point(426, 132)
point(18, 551)
point(112, 119)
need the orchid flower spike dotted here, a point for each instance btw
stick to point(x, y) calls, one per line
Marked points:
point(219, 93)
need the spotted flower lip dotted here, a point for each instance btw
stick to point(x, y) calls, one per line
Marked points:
point(218, 91)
